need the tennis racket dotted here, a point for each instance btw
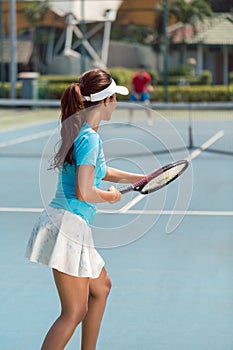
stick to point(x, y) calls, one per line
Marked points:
point(157, 179)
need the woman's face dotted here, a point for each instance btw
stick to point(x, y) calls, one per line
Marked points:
point(109, 107)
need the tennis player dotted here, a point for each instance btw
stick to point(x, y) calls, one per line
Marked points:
point(140, 88)
point(62, 237)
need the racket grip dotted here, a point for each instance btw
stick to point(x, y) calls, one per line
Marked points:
point(125, 189)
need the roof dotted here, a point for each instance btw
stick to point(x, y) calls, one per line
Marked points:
point(24, 51)
point(213, 31)
point(217, 32)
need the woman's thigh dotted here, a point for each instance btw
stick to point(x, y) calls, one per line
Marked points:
point(73, 291)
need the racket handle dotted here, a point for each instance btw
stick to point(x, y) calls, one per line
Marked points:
point(125, 189)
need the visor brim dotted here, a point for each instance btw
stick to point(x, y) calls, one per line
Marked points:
point(122, 90)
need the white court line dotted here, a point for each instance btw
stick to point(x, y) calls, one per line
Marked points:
point(205, 145)
point(134, 212)
point(191, 156)
point(133, 202)
point(20, 210)
point(173, 212)
point(26, 138)
point(27, 126)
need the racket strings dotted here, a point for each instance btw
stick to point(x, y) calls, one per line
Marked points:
point(158, 178)
point(163, 178)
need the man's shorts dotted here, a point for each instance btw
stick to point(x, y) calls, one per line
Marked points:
point(144, 96)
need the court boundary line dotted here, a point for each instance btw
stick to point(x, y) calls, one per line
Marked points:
point(132, 211)
point(27, 126)
point(191, 156)
point(173, 212)
point(26, 138)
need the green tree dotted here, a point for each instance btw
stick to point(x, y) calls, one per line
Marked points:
point(189, 12)
point(35, 11)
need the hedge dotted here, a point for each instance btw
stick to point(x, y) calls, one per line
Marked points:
point(176, 76)
point(52, 87)
point(60, 79)
point(123, 76)
point(195, 94)
point(6, 88)
point(199, 93)
point(176, 93)
point(231, 78)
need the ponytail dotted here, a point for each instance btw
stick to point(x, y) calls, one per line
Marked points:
point(71, 101)
point(71, 122)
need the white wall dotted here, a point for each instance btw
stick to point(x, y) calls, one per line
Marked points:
point(66, 65)
point(131, 55)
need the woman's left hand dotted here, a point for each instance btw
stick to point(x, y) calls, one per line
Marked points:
point(116, 195)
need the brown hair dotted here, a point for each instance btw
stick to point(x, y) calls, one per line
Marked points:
point(92, 81)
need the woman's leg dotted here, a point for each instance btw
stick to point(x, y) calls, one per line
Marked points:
point(73, 293)
point(99, 289)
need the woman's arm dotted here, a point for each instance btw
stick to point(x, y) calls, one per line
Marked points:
point(87, 192)
point(116, 175)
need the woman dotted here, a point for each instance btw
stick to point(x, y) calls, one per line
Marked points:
point(62, 237)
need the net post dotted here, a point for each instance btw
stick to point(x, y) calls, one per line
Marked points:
point(190, 131)
point(190, 146)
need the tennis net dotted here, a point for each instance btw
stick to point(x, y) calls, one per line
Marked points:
point(175, 127)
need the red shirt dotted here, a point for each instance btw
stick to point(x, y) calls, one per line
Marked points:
point(139, 83)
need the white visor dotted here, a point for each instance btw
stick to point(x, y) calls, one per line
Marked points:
point(109, 91)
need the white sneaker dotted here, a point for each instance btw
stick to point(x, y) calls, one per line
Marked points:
point(150, 122)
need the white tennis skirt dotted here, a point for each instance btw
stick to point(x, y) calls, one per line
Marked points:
point(63, 241)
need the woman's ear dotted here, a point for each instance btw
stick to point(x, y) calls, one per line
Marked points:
point(102, 103)
point(106, 100)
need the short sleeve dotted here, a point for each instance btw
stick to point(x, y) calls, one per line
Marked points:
point(86, 149)
point(147, 78)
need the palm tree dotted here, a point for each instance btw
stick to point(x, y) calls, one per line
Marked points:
point(35, 11)
point(189, 12)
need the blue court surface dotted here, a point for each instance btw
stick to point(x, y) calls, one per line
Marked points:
point(169, 254)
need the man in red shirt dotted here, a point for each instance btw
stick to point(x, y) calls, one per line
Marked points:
point(140, 87)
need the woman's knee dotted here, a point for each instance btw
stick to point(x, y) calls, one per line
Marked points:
point(102, 288)
point(75, 315)
point(108, 285)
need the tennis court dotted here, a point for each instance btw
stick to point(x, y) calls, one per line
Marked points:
point(169, 254)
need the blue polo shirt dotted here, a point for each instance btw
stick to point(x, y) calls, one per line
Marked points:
point(87, 150)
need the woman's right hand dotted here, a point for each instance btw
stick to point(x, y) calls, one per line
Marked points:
point(115, 195)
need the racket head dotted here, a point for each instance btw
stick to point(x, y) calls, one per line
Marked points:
point(161, 177)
